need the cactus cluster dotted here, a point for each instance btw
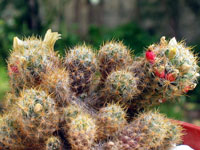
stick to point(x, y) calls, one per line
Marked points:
point(91, 100)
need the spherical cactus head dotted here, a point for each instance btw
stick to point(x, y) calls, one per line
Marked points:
point(30, 58)
point(81, 63)
point(175, 134)
point(82, 132)
point(112, 56)
point(56, 82)
point(69, 113)
point(53, 143)
point(10, 100)
point(110, 119)
point(120, 86)
point(150, 130)
point(154, 126)
point(9, 134)
point(37, 115)
point(173, 69)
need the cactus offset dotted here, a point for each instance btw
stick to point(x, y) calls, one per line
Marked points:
point(30, 58)
point(9, 134)
point(168, 71)
point(82, 132)
point(37, 116)
point(148, 131)
point(56, 82)
point(120, 86)
point(110, 119)
point(174, 135)
point(112, 56)
point(69, 113)
point(81, 63)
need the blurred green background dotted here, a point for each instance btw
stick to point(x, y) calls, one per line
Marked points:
point(138, 23)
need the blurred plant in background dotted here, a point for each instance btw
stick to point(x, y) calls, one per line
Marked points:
point(23, 18)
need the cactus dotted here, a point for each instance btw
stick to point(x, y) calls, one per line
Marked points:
point(120, 86)
point(168, 71)
point(79, 127)
point(82, 132)
point(110, 119)
point(174, 135)
point(37, 116)
point(9, 134)
point(148, 131)
point(56, 82)
point(30, 59)
point(53, 143)
point(90, 103)
point(112, 56)
point(81, 63)
point(69, 113)
point(10, 100)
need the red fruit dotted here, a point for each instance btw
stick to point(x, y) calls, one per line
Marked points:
point(160, 75)
point(170, 77)
point(162, 100)
point(14, 69)
point(186, 89)
point(150, 56)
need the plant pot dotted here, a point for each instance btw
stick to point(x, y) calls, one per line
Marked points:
point(192, 135)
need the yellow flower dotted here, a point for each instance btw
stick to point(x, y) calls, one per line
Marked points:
point(172, 53)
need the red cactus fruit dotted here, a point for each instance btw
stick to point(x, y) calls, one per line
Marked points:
point(150, 56)
point(160, 75)
point(170, 77)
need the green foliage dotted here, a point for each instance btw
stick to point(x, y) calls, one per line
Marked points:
point(131, 35)
point(4, 85)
